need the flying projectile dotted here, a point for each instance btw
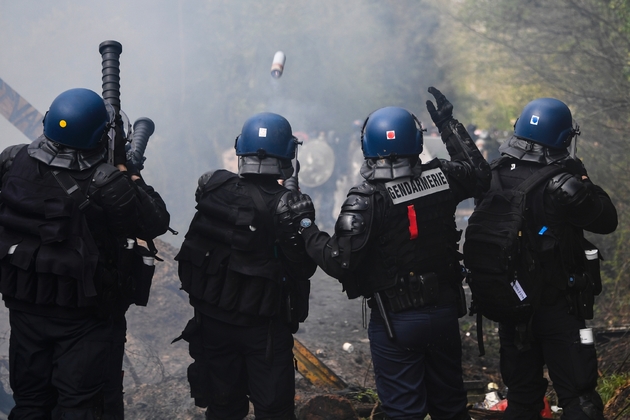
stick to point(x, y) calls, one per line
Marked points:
point(277, 66)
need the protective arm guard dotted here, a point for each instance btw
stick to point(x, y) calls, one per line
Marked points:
point(153, 216)
point(340, 255)
point(461, 148)
point(115, 194)
point(287, 233)
point(586, 205)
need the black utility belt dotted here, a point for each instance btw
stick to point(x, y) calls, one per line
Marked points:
point(412, 291)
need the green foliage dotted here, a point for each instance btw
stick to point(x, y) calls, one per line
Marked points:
point(608, 385)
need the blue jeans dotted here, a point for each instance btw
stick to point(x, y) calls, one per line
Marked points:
point(420, 371)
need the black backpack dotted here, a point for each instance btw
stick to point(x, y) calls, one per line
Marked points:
point(500, 253)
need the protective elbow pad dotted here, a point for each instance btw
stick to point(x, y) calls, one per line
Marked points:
point(457, 170)
point(567, 190)
point(350, 224)
point(351, 220)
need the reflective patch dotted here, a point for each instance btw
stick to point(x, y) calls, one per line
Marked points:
point(406, 189)
point(262, 132)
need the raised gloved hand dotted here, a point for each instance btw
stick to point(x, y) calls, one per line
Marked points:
point(444, 111)
point(301, 207)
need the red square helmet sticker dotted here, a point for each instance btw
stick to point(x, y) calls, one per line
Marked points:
point(391, 135)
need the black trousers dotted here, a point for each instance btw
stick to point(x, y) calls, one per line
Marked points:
point(556, 343)
point(241, 367)
point(113, 390)
point(57, 366)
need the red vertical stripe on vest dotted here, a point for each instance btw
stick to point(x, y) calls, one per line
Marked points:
point(413, 225)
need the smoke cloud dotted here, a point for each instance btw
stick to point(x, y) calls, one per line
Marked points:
point(200, 68)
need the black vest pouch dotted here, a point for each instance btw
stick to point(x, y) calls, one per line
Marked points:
point(592, 256)
point(430, 288)
point(142, 270)
point(250, 295)
point(202, 269)
point(229, 294)
point(398, 297)
point(300, 295)
point(414, 291)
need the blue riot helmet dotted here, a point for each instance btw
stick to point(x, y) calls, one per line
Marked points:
point(77, 118)
point(266, 146)
point(548, 122)
point(391, 132)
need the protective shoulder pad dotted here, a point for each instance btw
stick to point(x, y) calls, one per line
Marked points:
point(365, 188)
point(203, 179)
point(356, 202)
point(212, 180)
point(104, 174)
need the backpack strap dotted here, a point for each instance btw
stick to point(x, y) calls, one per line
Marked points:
point(524, 330)
point(70, 186)
point(540, 175)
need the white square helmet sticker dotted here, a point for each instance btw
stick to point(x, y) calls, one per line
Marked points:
point(534, 120)
point(262, 132)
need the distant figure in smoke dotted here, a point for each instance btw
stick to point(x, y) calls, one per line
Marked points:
point(396, 244)
point(247, 274)
point(65, 219)
point(488, 145)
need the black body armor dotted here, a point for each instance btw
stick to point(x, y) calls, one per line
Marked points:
point(230, 263)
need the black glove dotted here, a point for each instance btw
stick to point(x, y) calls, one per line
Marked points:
point(120, 141)
point(444, 111)
point(132, 169)
point(301, 207)
point(575, 166)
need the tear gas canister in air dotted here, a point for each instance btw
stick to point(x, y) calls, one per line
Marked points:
point(277, 66)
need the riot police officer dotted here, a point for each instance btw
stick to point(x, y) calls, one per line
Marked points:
point(246, 272)
point(562, 209)
point(65, 216)
point(396, 244)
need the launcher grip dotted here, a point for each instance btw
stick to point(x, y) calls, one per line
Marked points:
point(110, 53)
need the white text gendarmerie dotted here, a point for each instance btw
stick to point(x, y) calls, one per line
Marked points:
point(406, 189)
